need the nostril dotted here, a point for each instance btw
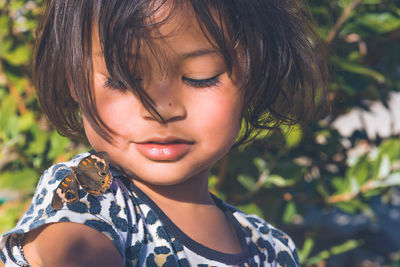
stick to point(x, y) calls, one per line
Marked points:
point(164, 112)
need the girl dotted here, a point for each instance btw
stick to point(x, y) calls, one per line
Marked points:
point(160, 89)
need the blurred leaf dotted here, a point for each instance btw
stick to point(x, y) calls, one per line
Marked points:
point(348, 207)
point(38, 145)
point(322, 190)
point(251, 208)
point(289, 213)
point(12, 127)
point(58, 145)
point(396, 259)
point(4, 21)
point(212, 182)
point(7, 111)
point(278, 181)
point(339, 184)
point(359, 172)
point(20, 55)
point(371, 2)
point(24, 179)
point(391, 148)
point(261, 164)
point(380, 22)
point(306, 250)
point(16, 4)
point(391, 180)
point(335, 250)
point(359, 69)
point(293, 135)
point(349, 245)
point(247, 182)
point(5, 46)
point(26, 121)
point(323, 255)
point(9, 215)
point(384, 168)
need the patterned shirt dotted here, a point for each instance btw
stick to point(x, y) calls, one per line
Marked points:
point(141, 231)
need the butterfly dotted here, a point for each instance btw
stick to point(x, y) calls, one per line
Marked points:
point(92, 174)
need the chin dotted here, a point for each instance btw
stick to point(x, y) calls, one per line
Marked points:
point(168, 175)
point(159, 180)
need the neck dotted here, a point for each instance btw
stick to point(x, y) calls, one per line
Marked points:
point(193, 191)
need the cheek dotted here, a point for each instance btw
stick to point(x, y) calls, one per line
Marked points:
point(95, 140)
point(118, 112)
point(220, 119)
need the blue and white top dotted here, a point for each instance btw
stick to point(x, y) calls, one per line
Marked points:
point(143, 234)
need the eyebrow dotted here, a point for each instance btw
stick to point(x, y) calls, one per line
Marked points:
point(200, 52)
point(191, 54)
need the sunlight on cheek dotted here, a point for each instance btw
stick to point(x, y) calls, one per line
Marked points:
point(115, 108)
point(222, 120)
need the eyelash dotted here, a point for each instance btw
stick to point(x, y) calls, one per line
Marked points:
point(213, 81)
point(114, 84)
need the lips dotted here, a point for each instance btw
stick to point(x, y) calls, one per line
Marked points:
point(164, 149)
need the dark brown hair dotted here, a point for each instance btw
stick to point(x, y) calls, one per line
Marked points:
point(268, 45)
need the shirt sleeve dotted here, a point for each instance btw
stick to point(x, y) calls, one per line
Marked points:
point(99, 212)
point(275, 247)
point(285, 248)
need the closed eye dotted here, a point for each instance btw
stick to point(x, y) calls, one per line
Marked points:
point(114, 84)
point(118, 85)
point(197, 83)
point(203, 83)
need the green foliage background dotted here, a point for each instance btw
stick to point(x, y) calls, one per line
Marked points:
point(280, 175)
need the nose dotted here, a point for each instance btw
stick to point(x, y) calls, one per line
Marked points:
point(168, 102)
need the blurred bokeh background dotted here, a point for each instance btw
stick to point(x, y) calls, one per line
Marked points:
point(332, 184)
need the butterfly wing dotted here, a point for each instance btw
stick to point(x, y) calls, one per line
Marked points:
point(93, 173)
point(66, 192)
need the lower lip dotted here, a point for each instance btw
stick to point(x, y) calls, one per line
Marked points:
point(163, 152)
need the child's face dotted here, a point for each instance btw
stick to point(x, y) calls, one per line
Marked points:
point(199, 102)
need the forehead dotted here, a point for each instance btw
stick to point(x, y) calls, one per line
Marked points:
point(170, 31)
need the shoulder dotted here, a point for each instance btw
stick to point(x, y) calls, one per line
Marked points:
point(69, 243)
point(51, 179)
point(106, 213)
point(274, 243)
point(40, 210)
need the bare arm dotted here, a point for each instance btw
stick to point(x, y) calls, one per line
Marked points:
point(69, 244)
